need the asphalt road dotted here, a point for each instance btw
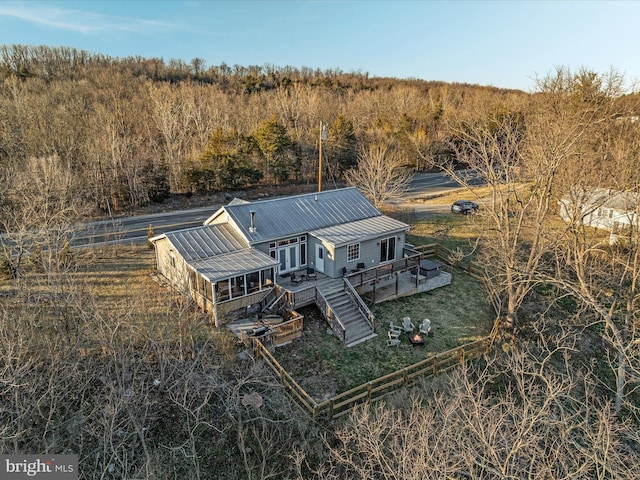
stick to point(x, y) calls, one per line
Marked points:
point(134, 229)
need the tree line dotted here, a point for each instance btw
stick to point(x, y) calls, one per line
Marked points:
point(132, 131)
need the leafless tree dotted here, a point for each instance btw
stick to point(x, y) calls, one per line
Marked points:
point(520, 415)
point(379, 174)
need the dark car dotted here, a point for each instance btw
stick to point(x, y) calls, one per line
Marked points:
point(464, 206)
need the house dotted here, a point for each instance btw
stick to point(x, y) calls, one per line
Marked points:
point(248, 253)
point(607, 209)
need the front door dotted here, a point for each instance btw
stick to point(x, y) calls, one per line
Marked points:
point(288, 257)
point(320, 258)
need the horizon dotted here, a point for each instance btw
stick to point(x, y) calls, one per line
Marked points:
point(488, 43)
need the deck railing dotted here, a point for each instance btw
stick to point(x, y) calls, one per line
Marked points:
point(450, 258)
point(334, 321)
point(357, 300)
point(379, 272)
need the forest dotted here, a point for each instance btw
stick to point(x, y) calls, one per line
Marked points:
point(96, 361)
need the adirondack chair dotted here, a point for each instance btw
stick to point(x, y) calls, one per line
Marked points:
point(395, 329)
point(393, 342)
point(407, 326)
point(425, 327)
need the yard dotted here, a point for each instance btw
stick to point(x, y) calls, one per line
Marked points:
point(323, 367)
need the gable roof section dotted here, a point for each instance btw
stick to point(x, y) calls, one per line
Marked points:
point(288, 216)
point(359, 231)
point(229, 265)
point(593, 198)
point(204, 242)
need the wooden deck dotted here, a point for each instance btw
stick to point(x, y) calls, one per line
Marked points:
point(323, 281)
point(401, 285)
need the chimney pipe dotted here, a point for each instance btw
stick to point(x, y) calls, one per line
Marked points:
point(252, 228)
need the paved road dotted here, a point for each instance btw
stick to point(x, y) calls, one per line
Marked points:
point(134, 229)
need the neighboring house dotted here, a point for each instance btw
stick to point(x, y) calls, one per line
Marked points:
point(602, 208)
point(245, 249)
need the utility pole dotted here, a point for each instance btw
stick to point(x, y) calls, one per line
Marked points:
point(323, 137)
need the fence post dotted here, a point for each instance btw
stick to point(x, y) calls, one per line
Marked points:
point(435, 366)
point(368, 392)
point(462, 355)
point(405, 377)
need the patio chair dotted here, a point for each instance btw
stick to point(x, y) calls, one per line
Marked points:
point(393, 335)
point(359, 267)
point(395, 328)
point(296, 280)
point(425, 327)
point(311, 274)
point(393, 342)
point(407, 326)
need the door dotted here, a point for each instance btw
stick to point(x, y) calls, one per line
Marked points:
point(320, 258)
point(288, 257)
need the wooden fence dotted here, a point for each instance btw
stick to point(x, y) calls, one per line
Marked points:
point(449, 257)
point(375, 389)
point(380, 387)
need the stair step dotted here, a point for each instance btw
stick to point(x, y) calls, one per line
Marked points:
point(357, 328)
point(354, 342)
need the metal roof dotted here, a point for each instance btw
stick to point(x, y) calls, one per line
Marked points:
point(203, 242)
point(360, 230)
point(287, 216)
point(229, 265)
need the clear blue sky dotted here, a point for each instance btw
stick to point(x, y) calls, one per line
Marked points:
point(500, 43)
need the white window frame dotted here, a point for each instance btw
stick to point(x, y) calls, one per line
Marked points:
point(350, 253)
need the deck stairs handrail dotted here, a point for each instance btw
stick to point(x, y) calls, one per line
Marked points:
point(336, 325)
point(359, 303)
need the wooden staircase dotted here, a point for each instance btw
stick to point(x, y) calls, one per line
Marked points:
point(356, 325)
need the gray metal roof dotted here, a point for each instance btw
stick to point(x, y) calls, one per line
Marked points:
point(287, 216)
point(360, 230)
point(233, 264)
point(203, 242)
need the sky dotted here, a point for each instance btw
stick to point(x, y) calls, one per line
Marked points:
point(507, 44)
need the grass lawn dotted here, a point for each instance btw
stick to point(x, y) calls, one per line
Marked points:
point(459, 314)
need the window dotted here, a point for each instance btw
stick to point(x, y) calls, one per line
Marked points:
point(303, 254)
point(353, 252)
point(388, 249)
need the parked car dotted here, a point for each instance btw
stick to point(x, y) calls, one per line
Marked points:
point(464, 206)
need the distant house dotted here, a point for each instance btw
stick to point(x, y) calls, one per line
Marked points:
point(247, 250)
point(602, 208)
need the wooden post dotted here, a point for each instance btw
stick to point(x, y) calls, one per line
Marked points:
point(215, 304)
point(397, 283)
point(320, 162)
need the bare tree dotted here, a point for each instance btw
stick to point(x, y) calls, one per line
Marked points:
point(379, 174)
point(520, 415)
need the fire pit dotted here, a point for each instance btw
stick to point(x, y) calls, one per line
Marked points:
point(416, 340)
